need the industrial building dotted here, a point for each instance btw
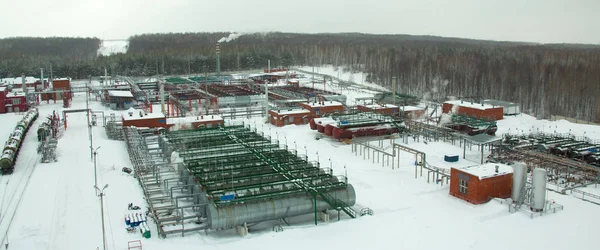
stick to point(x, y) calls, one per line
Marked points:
point(13, 101)
point(510, 108)
point(232, 177)
point(281, 118)
point(140, 119)
point(476, 110)
point(61, 89)
point(120, 99)
point(323, 107)
point(357, 124)
point(478, 184)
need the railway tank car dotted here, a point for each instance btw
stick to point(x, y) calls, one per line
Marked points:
point(13, 145)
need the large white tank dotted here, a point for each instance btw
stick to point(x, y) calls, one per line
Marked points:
point(538, 192)
point(519, 179)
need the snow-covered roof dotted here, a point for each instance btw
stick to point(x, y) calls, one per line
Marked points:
point(2, 88)
point(16, 94)
point(411, 108)
point(325, 104)
point(293, 111)
point(190, 119)
point(379, 106)
point(136, 116)
point(19, 80)
point(474, 105)
point(324, 120)
point(119, 93)
point(488, 170)
point(499, 103)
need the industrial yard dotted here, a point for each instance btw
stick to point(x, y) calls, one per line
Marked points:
point(324, 164)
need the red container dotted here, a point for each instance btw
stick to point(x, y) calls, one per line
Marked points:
point(329, 130)
point(313, 124)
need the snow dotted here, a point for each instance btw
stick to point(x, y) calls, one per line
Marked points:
point(136, 116)
point(488, 170)
point(379, 106)
point(471, 105)
point(110, 47)
point(120, 93)
point(190, 119)
point(356, 77)
point(59, 209)
point(16, 94)
point(411, 108)
point(19, 80)
point(293, 112)
point(325, 104)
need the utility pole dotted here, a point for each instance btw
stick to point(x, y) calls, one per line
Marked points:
point(101, 191)
point(95, 172)
point(267, 92)
point(87, 107)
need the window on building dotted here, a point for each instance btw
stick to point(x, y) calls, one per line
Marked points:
point(463, 186)
point(16, 101)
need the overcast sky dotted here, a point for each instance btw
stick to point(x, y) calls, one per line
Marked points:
point(546, 21)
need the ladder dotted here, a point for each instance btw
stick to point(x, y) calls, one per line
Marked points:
point(523, 193)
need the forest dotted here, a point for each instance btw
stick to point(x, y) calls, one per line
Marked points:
point(557, 79)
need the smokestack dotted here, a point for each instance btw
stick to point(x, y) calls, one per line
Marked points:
point(218, 51)
point(24, 84)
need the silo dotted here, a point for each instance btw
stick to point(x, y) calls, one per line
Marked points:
point(538, 191)
point(519, 179)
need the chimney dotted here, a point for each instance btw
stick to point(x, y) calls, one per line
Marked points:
point(202, 117)
point(497, 168)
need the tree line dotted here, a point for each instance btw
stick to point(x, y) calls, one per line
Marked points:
point(544, 79)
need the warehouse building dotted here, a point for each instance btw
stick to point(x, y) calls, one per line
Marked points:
point(478, 184)
point(478, 110)
point(510, 108)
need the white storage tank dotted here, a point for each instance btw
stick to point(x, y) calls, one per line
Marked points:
point(538, 192)
point(519, 179)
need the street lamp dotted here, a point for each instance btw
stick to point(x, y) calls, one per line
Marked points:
point(95, 152)
point(102, 213)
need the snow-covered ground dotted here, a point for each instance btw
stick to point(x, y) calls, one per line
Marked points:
point(338, 72)
point(113, 47)
point(59, 209)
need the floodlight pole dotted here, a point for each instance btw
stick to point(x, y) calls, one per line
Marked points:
point(87, 107)
point(102, 211)
point(95, 172)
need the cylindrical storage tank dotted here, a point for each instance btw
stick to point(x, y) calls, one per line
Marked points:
point(519, 178)
point(321, 128)
point(313, 124)
point(336, 133)
point(329, 129)
point(538, 192)
point(6, 161)
point(230, 216)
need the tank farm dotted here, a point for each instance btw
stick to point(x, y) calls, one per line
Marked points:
point(231, 177)
point(15, 141)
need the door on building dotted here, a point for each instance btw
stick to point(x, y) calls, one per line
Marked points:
point(9, 109)
point(17, 109)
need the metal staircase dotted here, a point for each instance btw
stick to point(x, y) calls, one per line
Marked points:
point(523, 193)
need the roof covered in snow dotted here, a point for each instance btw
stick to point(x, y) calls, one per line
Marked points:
point(488, 170)
point(499, 103)
point(15, 94)
point(324, 104)
point(190, 119)
point(379, 106)
point(474, 105)
point(136, 115)
point(411, 108)
point(120, 93)
point(292, 111)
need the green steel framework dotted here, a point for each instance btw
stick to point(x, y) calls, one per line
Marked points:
point(235, 160)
